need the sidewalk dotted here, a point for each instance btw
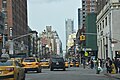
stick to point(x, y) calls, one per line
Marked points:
point(116, 76)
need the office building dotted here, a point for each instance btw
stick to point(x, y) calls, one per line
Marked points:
point(16, 23)
point(88, 6)
point(79, 18)
point(108, 30)
point(69, 25)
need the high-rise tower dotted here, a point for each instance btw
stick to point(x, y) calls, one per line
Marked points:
point(69, 24)
point(88, 6)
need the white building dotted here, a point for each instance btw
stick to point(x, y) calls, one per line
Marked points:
point(108, 30)
point(69, 25)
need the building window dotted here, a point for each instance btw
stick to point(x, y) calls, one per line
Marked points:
point(100, 26)
point(4, 4)
point(106, 21)
point(83, 1)
point(83, 16)
point(103, 24)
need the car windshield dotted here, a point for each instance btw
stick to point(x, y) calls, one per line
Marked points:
point(57, 60)
point(18, 56)
point(6, 63)
point(44, 61)
point(29, 60)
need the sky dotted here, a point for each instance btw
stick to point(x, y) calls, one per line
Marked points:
point(42, 13)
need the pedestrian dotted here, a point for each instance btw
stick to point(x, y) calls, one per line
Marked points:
point(116, 63)
point(109, 65)
point(98, 68)
point(84, 62)
point(92, 64)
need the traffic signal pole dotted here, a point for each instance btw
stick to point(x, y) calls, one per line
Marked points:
point(11, 41)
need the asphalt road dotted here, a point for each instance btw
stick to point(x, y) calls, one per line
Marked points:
point(70, 74)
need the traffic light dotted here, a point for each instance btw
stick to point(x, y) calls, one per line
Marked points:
point(82, 37)
point(1, 38)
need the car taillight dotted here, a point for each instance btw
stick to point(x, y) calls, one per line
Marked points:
point(10, 69)
point(37, 63)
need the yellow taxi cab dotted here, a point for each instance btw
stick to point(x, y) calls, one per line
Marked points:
point(71, 64)
point(31, 64)
point(11, 70)
point(77, 64)
point(45, 63)
point(66, 64)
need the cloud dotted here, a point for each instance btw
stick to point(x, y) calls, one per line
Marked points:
point(44, 1)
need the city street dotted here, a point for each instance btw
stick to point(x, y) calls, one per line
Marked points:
point(70, 74)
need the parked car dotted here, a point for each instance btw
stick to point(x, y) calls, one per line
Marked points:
point(57, 63)
point(11, 70)
point(31, 64)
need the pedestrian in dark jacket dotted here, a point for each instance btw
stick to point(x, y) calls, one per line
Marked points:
point(116, 62)
point(119, 65)
point(92, 64)
point(109, 65)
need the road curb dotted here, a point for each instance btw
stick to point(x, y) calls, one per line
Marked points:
point(112, 76)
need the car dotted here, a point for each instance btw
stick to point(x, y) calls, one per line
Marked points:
point(11, 70)
point(77, 64)
point(74, 63)
point(45, 63)
point(71, 64)
point(31, 64)
point(66, 64)
point(57, 63)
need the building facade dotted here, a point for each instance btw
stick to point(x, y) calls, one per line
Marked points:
point(16, 23)
point(50, 43)
point(108, 30)
point(100, 5)
point(88, 6)
point(69, 25)
point(90, 33)
point(2, 17)
point(79, 18)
